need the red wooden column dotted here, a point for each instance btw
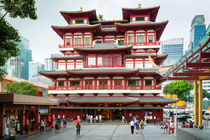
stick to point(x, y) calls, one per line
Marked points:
point(81, 114)
point(110, 114)
point(94, 112)
point(111, 83)
point(125, 83)
point(55, 83)
point(2, 120)
point(65, 64)
point(125, 114)
point(67, 83)
point(95, 83)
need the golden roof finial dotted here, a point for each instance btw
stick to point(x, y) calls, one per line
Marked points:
point(81, 8)
point(139, 5)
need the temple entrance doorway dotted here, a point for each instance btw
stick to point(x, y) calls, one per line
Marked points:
point(117, 114)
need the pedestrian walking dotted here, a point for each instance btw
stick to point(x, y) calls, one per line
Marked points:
point(91, 118)
point(150, 119)
point(42, 126)
point(100, 118)
point(154, 119)
point(132, 126)
point(171, 127)
point(96, 118)
point(165, 127)
point(142, 124)
point(64, 123)
point(137, 126)
point(123, 119)
point(56, 125)
point(78, 126)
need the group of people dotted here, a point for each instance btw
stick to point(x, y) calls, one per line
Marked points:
point(91, 119)
point(134, 123)
point(60, 123)
point(168, 128)
point(150, 119)
point(186, 125)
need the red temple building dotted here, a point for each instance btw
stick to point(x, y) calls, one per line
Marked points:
point(109, 67)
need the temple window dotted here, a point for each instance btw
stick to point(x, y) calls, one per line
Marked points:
point(116, 61)
point(130, 38)
point(60, 83)
point(98, 42)
point(68, 40)
point(133, 82)
point(104, 61)
point(75, 83)
point(150, 38)
point(139, 38)
point(91, 61)
point(79, 21)
point(87, 40)
point(77, 41)
point(118, 82)
point(140, 19)
point(148, 82)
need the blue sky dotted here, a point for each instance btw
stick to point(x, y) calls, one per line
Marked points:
point(44, 41)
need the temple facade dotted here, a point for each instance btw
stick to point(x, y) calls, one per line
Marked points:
point(109, 67)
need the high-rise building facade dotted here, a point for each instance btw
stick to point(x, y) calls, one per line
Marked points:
point(49, 64)
point(19, 66)
point(198, 29)
point(109, 68)
point(34, 69)
point(174, 49)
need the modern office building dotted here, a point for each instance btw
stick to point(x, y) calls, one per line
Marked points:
point(108, 67)
point(19, 66)
point(198, 29)
point(49, 64)
point(174, 49)
point(34, 69)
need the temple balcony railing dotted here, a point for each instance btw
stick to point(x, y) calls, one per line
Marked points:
point(155, 43)
point(103, 66)
point(114, 87)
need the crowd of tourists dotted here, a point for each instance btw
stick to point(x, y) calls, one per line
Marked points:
point(135, 123)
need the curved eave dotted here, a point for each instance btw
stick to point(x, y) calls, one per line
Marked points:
point(157, 26)
point(55, 59)
point(82, 49)
point(61, 30)
point(153, 11)
point(157, 102)
point(159, 60)
point(100, 72)
point(101, 102)
point(54, 75)
point(69, 14)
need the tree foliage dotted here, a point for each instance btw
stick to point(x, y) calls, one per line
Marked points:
point(24, 88)
point(180, 88)
point(9, 37)
point(205, 94)
point(100, 17)
point(19, 8)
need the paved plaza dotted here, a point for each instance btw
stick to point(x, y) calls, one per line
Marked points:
point(103, 132)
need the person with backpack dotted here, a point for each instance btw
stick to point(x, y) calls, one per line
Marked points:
point(142, 124)
point(78, 126)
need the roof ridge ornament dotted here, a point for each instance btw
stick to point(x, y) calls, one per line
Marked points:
point(81, 8)
point(139, 5)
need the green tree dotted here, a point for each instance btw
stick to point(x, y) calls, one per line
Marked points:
point(24, 88)
point(100, 17)
point(205, 94)
point(9, 37)
point(180, 88)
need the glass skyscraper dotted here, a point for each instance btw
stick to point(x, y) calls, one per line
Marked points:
point(174, 49)
point(19, 66)
point(49, 64)
point(198, 29)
